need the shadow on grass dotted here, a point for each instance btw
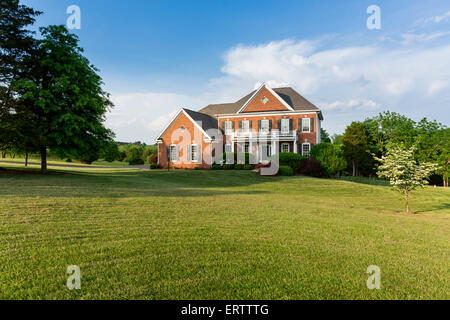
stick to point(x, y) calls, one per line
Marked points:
point(95, 184)
point(442, 206)
point(370, 181)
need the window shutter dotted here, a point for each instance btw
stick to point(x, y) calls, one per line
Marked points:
point(312, 124)
point(311, 145)
point(177, 148)
point(240, 125)
point(189, 153)
point(290, 124)
point(232, 125)
point(250, 125)
point(270, 125)
point(223, 126)
point(199, 153)
point(300, 125)
point(168, 153)
point(259, 125)
point(279, 125)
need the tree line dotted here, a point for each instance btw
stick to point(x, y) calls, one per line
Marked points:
point(356, 151)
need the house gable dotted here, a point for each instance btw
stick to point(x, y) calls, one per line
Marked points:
point(183, 119)
point(265, 100)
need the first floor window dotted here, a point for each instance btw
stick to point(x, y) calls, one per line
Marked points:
point(228, 148)
point(306, 149)
point(285, 124)
point(285, 147)
point(194, 153)
point(173, 153)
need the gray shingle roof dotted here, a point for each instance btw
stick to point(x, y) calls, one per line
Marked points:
point(204, 120)
point(292, 98)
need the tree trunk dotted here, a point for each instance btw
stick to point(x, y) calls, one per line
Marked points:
point(407, 202)
point(26, 159)
point(3, 154)
point(354, 168)
point(43, 159)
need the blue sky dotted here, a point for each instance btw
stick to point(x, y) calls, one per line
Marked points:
point(156, 56)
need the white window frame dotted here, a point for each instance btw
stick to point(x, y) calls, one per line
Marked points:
point(245, 129)
point(285, 123)
point(303, 150)
point(228, 148)
point(306, 120)
point(228, 127)
point(191, 155)
point(175, 148)
point(284, 145)
point(266, 127)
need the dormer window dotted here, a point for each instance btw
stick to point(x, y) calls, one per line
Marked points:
point(265, 100)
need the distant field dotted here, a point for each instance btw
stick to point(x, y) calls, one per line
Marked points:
point(217, 235)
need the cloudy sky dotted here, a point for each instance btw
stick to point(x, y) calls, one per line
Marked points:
point(158, 56)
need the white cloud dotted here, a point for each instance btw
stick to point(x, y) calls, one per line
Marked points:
point(409, 38)
point(349, 83)
point(141, 116)
point(435, 19)
point(353, 104)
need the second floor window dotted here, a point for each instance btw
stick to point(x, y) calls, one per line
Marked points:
point(228, 126)
point(265, 126)
point(246, 126)
point(285, 124)
point(306, 125)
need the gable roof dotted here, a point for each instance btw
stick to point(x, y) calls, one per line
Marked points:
point(203, 121)
point(296, 101)
point(264, 86)
point(207, 122)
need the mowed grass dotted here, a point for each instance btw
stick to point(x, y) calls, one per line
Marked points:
point(218, 235)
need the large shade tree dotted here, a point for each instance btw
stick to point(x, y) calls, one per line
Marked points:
point(16, 46)
point(63, 100)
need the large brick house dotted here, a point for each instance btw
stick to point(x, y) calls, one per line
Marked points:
point(263, 123)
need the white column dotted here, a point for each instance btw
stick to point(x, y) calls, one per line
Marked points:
point(295, 146)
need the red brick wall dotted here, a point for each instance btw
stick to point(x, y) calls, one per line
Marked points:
point(274, 104)
point(190, 135)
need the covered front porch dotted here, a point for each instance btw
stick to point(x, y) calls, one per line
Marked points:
point(262, 148)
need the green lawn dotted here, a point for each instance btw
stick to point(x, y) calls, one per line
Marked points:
point(73, 163)
point(218, 235)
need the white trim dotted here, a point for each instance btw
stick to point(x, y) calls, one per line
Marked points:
point(309, 127)
point(286, 144)
point(170, 153)
point(271, 91)
point(259, 114)
point(319, 131)
point(168, 125)
point(207, 137)
point(306, 143)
